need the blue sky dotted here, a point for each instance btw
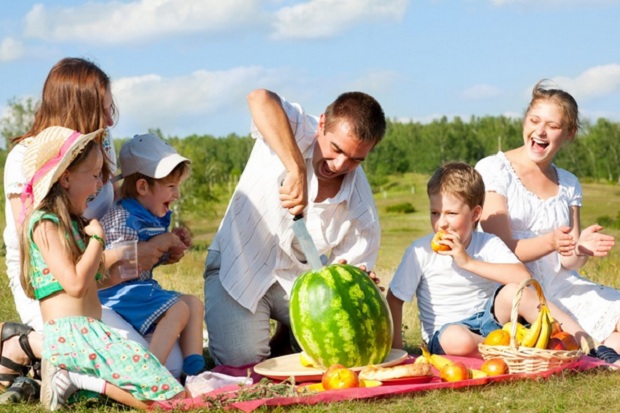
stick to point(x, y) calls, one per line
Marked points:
point(186, 66)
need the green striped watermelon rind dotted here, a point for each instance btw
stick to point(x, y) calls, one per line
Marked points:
point(357, 337)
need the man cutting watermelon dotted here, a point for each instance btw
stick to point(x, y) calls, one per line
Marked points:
point(300, 164)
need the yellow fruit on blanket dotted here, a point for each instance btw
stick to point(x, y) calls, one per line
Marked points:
point(436, 360)
point(477, 374)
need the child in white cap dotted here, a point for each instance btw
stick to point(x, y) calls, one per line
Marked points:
point(62, 259)
point(152, 173)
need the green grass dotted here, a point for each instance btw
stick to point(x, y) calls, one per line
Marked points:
point(589, 391)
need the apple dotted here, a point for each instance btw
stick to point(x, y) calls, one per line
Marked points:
point(555, 343)
point(570, 342)
point(455, 371)
point(494, 367)
point(338, 376)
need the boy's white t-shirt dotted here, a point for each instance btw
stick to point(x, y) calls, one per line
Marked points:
point(445, 292)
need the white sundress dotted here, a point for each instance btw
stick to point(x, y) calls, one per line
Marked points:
point(595, 307)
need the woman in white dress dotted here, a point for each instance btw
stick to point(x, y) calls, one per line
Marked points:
point(534, 207)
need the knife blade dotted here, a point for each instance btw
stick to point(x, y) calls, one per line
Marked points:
point(305, 241)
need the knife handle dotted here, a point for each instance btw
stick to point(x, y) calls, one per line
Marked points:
point(298, 217)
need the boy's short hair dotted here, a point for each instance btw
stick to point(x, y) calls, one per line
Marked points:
point(129, 189)
point(149, 157)
point(460, 179)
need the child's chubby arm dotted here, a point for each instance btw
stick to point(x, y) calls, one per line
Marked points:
point(502, 273)
point(78, 278)
point(396, 308)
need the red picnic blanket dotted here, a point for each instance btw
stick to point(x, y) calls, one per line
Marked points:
point(202, 401)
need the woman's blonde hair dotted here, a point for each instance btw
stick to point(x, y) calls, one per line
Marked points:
point(544, 91)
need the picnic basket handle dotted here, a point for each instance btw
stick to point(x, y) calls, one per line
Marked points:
point(514, 314)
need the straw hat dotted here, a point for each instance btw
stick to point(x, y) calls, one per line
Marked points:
point(48, 156)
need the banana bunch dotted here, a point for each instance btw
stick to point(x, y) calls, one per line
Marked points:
point(538, 335)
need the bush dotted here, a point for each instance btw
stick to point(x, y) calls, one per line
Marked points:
point(606, 221)
point(402, 208)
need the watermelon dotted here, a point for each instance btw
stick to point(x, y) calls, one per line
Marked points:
point(339, 316)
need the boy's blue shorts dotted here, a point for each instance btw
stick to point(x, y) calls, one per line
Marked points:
point(481, 323)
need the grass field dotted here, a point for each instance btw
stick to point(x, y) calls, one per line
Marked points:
point(591, 391)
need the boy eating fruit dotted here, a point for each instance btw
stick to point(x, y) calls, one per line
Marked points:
point(464, 279)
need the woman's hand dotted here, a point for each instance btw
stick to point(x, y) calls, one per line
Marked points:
point(594, 243)
point(150, 252)
point(184, 235)
point(177, 249)
point(562, 241)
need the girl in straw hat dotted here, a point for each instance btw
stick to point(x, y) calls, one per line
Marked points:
point(61, 261)
point(77, 95)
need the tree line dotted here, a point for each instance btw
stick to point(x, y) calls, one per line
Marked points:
point(217, 162)
point(421, 148)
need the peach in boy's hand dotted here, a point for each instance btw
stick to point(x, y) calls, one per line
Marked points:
point(436, 245)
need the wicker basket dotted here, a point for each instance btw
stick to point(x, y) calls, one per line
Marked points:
point(525, 359)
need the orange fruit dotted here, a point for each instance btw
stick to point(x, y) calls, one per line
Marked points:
point(570, 342)
point(338, 376)
point(454, 372)
point(435, 245)
point(497, 338)
point(494, 367)
point(555, 344)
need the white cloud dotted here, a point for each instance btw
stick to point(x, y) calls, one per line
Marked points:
point(512, 115)
point(206, 100)
point(11, 49)
point(481, 91)
point(116, 22)
point(121, 22)
point(325, 18)
point(188, 104)
point(375, 81)
point(594, 82)
point(547, 3)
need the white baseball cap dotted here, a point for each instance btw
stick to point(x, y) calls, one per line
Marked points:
point(149, 155)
